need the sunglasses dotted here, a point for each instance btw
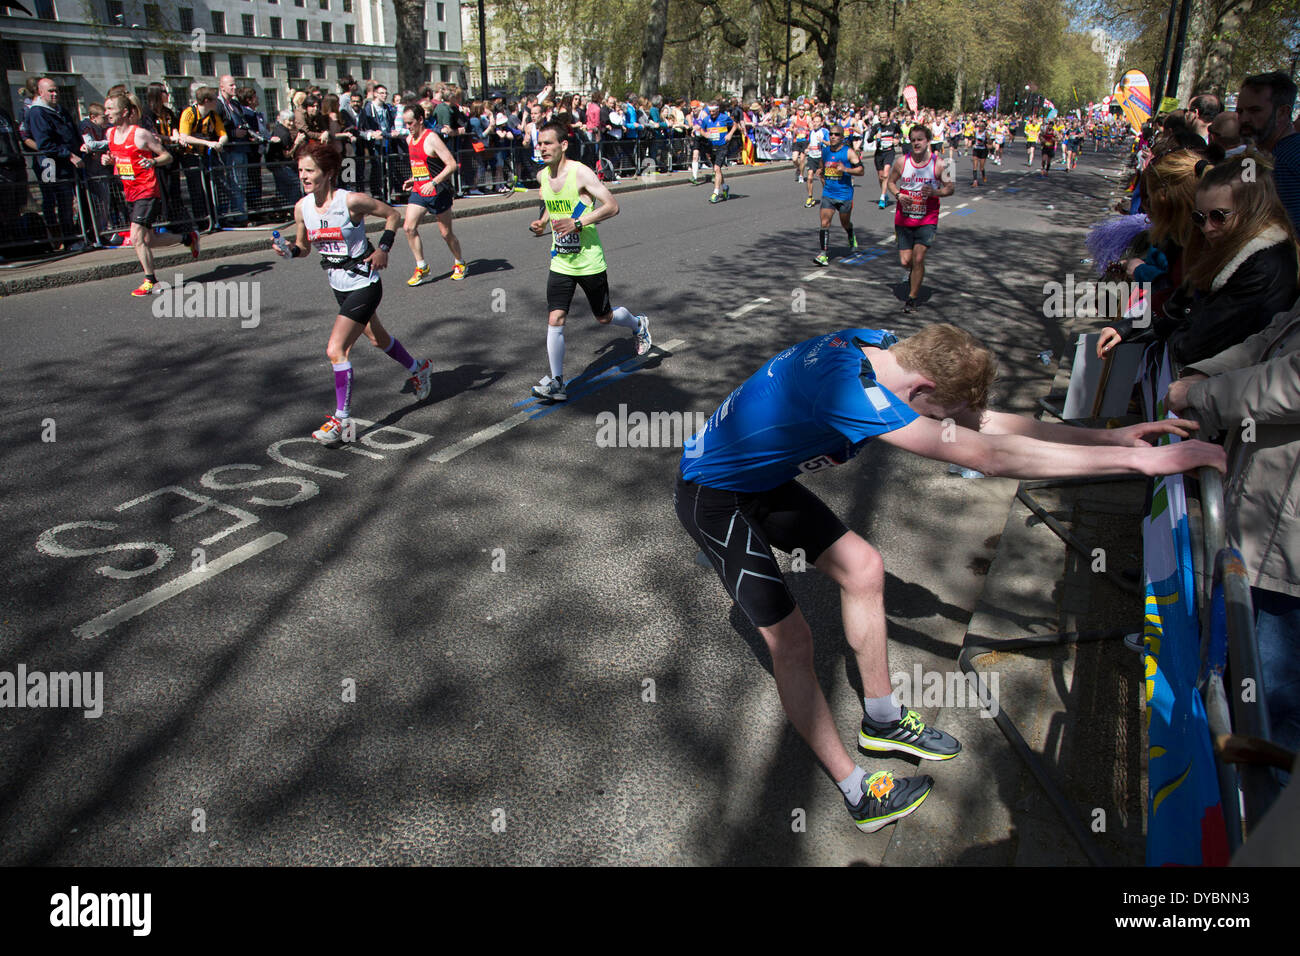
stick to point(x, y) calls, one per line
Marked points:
point(1217, 216)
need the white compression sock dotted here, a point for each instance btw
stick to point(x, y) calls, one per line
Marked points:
point(851, 786)
point(625, 318)
point(555, 349)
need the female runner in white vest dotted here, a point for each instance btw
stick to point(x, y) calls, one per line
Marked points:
point(334, 220)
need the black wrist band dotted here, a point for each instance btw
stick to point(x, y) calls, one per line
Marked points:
point(386, 240)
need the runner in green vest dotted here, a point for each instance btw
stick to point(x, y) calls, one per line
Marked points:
point(573, 201)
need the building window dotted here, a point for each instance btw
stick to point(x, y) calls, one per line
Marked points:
point(236, 64)
point(116, 13)
point(268, 66)
point(153, 17)
point(172, 64)
point(275, 28)
point(11, 57)
point(319, 65)
point(302, 29)
point(365, 69)
point(138, 65)
point(347, 6)
point(218, 22)
point(206, 67)
point(292, 68)
point(444, 73)
point(442, 12)
point(187, 18)
point(324, 4)
point(271, 100)
point(249, 23)
point(327, 32)
point(56, 58)
point(442, 39)
point(45, 10)
point(342, 66)
point(349, 33)
point(299, 3)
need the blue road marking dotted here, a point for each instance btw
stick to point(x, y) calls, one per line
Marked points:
point(963, 212)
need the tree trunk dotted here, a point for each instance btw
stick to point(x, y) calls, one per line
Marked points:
point(749, 80)
point(960, 88)
point(412, 71)
point(1198, 36)
point(652, 46)
point(902, 82)
point(1221, 46)
point(830, 55)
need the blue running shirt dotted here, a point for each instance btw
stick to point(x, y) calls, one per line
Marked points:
point(813, 406)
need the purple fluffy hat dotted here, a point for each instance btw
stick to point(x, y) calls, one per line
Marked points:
point(1109, 239)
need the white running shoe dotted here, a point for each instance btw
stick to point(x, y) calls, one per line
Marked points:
point(643, 335)
point(335, 431)
point(551, 388)
point(420, 383)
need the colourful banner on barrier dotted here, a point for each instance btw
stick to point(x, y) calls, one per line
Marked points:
point(1133, 94)
point(1185, 824)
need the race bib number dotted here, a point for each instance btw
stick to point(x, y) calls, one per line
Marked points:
point(820, 463)
point(833, 171)
point(419, 170)
point(125, 169)
point(912, 203)
point(328, 241)
point(568, 245)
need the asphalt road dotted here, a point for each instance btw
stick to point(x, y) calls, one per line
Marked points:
point(503, 656)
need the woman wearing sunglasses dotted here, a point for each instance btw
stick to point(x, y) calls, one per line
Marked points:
point(1240, 264)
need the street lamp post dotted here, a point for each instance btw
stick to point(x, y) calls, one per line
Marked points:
point(787, 47)
point(482, 49)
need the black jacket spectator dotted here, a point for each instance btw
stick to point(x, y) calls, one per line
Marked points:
point(55, 134)
point(1259, 282)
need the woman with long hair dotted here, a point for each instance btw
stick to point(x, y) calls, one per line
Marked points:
point(334, 221)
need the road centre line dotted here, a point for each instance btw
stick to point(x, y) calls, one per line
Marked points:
point(749, 307)
point(151, 599)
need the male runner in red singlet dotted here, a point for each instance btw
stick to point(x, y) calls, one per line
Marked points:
point(133, 152)
point(917, 180)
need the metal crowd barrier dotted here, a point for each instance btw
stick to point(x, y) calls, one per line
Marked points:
point(43, 208)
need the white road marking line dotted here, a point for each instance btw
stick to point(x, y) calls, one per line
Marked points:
point(747, 308)
point(948, 213)
point(886, 241)
point(977, 199)
point(963, 205)
point(500, 428)
point(110, 619)
point(813, 276)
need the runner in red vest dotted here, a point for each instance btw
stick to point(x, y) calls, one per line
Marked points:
point(917, 180)
point(432, 166)
point(133, 152)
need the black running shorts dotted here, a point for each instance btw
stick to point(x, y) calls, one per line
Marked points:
point(737, 531)
point(360, 305)
point(560, 289)
point(145, 212)
point(436, 204)
point(884, 159)
point(980, 152)
point(844, 206)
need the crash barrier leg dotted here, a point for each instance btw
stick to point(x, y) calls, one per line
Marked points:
point(976, 646)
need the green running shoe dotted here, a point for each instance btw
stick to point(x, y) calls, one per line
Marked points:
point(909, 735)
point(886, 799)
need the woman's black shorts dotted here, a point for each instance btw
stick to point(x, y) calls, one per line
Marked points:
point(360, 305)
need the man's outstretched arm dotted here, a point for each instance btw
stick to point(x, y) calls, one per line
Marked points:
point(1020, 456)
point(1134, 436)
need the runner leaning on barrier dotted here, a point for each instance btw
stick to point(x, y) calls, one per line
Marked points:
point(577, 258)
point(814, 406)
point(134, 152)
point(432, 167)
point(334, 221)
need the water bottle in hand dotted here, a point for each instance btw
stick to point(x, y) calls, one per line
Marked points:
point(280, 242)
